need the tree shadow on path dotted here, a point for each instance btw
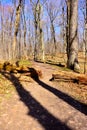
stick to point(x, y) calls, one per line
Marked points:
point(71, 101)
point(68, 99)
point(36, 110)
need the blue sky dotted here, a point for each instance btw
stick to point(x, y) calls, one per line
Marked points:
point(8, 2)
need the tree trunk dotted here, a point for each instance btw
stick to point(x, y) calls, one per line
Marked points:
point(36, 41)
point(41, 43)
point(85, 40)
point(2, 34)
point(48, 43)
point(73, 38)
point(17, 22)
point(25, 29)
point(68, 28)
point(53, 37)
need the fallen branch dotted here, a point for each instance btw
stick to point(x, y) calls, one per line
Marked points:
point(69, 77)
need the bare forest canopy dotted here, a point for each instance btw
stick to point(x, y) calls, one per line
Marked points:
point(36, 28)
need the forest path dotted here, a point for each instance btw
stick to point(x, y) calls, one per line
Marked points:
point(41, 105)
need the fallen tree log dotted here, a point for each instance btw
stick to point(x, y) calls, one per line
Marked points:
point(33, 73)
point(82, 80)
point(7, 67)
point(70, 77)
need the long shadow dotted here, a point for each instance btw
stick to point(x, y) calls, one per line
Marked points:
point(36, 110)
point(60, 64)
point(71, 101)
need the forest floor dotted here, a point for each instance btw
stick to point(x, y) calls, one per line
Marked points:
point(41, 104)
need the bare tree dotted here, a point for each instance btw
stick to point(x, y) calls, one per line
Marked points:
point(39, 45)
point(2, 30)
point(24, 28)
point(72, 48)
point(35, 14)
point(52, 11)
point(17, 23)
point(64, 25)
point(68, 27)
point(85, 37)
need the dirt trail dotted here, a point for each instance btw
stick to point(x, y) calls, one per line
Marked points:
point(41, 105)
